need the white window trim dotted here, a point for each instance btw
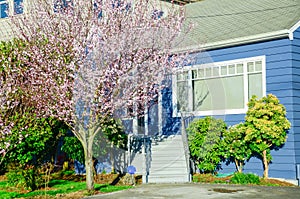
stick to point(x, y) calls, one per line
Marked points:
point(176, 113)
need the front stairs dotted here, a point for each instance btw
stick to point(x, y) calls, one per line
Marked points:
point(169, 163)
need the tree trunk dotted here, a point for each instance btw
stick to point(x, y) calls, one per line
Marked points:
point(89, 167)
point(266, 165)
point(112, 158)
point(239, 166)
point(236, 165)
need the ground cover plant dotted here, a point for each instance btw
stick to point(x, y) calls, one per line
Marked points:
point(74, 187)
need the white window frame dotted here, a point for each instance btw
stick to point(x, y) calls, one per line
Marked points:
point(189, 69)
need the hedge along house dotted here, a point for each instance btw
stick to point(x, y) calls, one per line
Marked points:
point(241, 48)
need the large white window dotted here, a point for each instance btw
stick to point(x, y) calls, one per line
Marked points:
point(218, 88)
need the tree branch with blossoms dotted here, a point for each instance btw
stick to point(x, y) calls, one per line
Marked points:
point(87, 60)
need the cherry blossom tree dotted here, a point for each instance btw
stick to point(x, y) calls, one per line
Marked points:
point(88, 61)
point(11, 82)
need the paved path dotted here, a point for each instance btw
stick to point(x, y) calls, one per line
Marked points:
point(205, 191)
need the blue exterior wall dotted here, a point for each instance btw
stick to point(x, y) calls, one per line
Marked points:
point(282, 80)
point(296, 92)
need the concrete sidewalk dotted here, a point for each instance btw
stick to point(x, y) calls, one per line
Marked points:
point(205, 191)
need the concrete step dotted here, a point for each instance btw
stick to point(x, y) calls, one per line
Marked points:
point(167, 171)
point(178, 164)
point(171, 142)
point(179, 178)
point(167, 158)
point(174, 140)
point(166, 148)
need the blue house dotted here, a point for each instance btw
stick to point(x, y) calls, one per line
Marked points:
point(240, 48)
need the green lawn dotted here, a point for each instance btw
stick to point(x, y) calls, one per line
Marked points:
point(55, 187)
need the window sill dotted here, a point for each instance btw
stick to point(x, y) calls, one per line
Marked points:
point(211, 113)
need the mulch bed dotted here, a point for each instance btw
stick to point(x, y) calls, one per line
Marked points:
point(208, 178)
point(113, 179)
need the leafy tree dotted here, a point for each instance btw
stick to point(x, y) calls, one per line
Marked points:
point(266, 127)
point(204, 136)
point(73, 148)
point(39, 138)
point(35, 142)
point(89, 59)
point(234, 146)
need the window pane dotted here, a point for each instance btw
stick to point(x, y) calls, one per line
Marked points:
point(239, 68)
point(208, 72)
point(194, 74)
point(182, 75)
point(255, 85)
point(219, 93)
point(182, 96)
point(202, 96)
point(3, 9)
point(62, 5)
point(215, 71)
point(223, 70)
point(258, 66)
point(250, 67)
point(18, 6)
point(231, 69)
point(234, 92)
point(201, 73)
point(179, 76)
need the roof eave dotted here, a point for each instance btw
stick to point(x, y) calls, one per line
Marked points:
point(238, 41)
point(293, 29)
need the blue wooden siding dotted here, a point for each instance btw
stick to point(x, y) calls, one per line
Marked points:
point(296, 89)
point(283, 80)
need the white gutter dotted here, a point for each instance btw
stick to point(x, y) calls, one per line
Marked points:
point(241, 40)
point(293, 29)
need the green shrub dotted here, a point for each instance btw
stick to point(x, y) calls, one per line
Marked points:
point(28, 178)
point(242, 178)
point(68, 172)
point(15, 178)
point(220, 181)
point(204, 136)
point(266, 126)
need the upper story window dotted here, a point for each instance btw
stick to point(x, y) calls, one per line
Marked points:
point(157, 14)
point(62, 6)
point(3, 8)
point(218, 88)
point(10, 7)
point(18, 7)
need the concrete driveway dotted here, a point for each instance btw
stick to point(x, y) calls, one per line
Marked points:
point(205, 191)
